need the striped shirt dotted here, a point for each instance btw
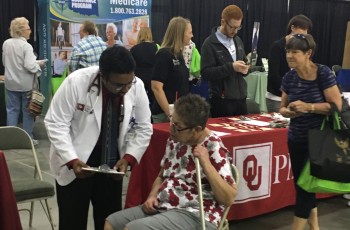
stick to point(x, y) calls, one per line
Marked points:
point(87, 52)
point(309, 92)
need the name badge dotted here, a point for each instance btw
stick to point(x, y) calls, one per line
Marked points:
point(176, 62)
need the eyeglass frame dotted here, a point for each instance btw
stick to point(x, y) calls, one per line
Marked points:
point(233, 27)
point(174, 126)
point(119, 87)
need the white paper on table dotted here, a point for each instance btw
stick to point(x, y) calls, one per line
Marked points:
point(255, 122)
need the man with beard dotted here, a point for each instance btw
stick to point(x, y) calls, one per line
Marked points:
point(223, 64)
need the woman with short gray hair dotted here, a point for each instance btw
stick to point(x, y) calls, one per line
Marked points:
point(20, 69)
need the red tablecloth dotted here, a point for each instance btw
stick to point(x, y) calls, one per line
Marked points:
point(9, 217)
point(260, 154)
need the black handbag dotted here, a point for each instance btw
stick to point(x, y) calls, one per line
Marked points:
point(329, 150)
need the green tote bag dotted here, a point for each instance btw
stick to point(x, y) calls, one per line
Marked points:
point(314, 184)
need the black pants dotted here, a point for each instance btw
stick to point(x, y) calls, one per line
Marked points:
point(305, 201)
point(220, 107)
point(73, 200)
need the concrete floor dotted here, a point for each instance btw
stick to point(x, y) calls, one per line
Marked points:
point(333, 212)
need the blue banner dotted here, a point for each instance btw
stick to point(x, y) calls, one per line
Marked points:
point(98, 11)
point(59, 24)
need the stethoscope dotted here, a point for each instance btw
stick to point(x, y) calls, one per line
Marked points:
point(90, 109)
point(87, 108)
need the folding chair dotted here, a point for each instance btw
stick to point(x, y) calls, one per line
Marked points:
point(224, 225)
point(32, 188)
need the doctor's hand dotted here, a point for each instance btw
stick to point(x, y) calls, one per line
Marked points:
point(79, 172)
point(120, 166)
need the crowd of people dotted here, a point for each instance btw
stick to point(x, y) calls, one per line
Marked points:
point(103, 112)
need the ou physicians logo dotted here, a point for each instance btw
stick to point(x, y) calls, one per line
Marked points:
point(252, 173)
point(254, 165)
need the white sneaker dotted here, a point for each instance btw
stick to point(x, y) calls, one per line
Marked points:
point(35, 142)
point(349, 203)
point(346, 196)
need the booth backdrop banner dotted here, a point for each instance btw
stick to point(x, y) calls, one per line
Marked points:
point(43, 27)
point(59, 23)
point(99, 11)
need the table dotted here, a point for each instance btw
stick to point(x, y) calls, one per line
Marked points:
point(260, 154)
point(257, 86)
point(9, 217)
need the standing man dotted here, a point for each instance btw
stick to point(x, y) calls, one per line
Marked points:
point(99, 116)
point(223, 65)
point(88, 50)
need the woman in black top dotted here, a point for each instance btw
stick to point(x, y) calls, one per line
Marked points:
point(170, 74)
point(144, 53)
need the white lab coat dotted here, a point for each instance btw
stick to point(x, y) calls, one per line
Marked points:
point(73, 133)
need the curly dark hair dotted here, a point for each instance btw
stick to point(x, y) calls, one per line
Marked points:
point(193, 110)
point(116, 59)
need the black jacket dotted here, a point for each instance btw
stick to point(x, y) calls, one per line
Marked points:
point(216, 67)
point(278, 66)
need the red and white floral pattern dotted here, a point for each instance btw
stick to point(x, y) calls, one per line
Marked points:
point(179, 188)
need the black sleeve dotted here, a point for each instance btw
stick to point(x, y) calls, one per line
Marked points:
point(162, 65)
point(275, 62)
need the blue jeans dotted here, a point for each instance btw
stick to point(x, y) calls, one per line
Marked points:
point(14, 102)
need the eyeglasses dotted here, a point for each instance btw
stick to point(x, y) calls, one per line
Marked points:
point(118, 87)
point(234, 27)
point(174, 126)
point(302, 37)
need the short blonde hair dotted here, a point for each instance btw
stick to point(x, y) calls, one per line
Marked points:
point(175, 34)
point(17, 27)
point(145, 35)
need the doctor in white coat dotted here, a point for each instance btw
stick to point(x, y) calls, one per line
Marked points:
point(75, 126)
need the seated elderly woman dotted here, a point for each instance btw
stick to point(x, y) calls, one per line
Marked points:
point(173, 200)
